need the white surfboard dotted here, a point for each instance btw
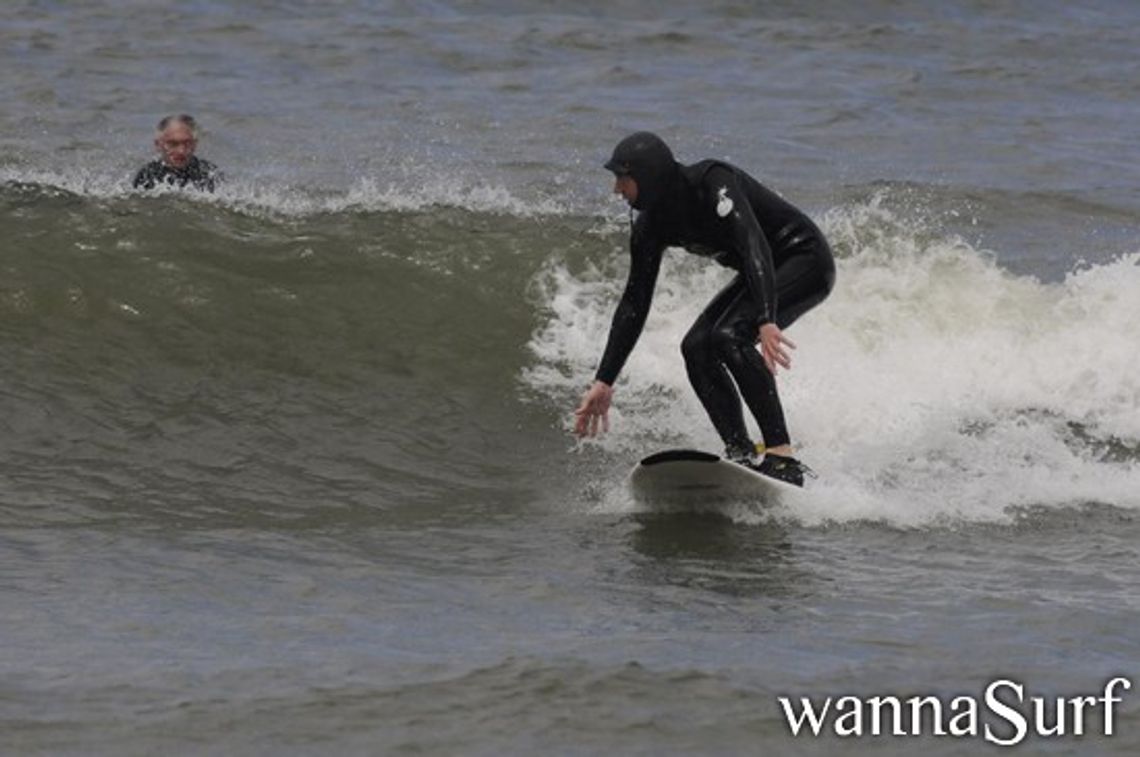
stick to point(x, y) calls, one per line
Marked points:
point(692, 477)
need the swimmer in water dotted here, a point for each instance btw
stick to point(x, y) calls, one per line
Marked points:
point(176, 140)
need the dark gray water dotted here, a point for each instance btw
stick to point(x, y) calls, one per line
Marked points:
point(286, 470)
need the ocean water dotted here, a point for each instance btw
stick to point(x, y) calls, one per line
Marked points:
point(287, 469)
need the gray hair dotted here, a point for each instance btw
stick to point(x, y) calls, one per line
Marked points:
point(183, 118)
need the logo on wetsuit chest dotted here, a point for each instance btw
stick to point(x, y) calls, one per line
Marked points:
point(723, 202)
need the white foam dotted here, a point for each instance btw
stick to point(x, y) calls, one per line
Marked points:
point(933, 385)
point(407, 191)
point(477, 197)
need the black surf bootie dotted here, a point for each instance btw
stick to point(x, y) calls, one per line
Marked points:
point(786, 469)
point(745, 455)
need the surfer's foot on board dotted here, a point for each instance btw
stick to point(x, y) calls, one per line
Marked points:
point(747, 456)
point(787, 469)
point(780, 467)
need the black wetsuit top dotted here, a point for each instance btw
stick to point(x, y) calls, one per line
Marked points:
point(716, 210)
point(198, 173)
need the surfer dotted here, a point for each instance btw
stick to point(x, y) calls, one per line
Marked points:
point(176, 141)
point(784, 268)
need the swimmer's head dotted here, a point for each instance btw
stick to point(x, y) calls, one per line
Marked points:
point(176, 140)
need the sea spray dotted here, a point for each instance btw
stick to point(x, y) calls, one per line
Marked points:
point(932, 386)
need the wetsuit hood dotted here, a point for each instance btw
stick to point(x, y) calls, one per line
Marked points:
point(645, 157)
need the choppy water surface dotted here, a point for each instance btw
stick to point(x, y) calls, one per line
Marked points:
point(286, 470)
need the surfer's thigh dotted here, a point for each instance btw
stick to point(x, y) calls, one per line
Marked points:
point(701, 336)
point(802, 281)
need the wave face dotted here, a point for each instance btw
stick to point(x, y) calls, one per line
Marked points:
point(177, 353)
point(205, 353)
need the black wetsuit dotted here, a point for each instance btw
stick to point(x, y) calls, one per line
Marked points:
point(785, 268)
point(198, 173)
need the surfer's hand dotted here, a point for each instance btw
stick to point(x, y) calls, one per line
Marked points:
point(772, 342)
point(594, 410)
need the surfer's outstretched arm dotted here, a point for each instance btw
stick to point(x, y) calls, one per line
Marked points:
point(592, 414)
point(629, 317)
